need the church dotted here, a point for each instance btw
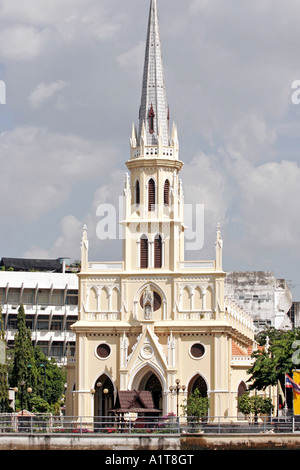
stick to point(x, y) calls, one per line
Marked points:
point(155, 322)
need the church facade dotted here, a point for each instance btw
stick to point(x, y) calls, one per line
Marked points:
point(154, 321)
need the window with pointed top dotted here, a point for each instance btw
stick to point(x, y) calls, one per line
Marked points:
point(144, 252)
point(151, 195)
point(167, 193)
point(137, 192)
point(157, 252)
point(151, 120)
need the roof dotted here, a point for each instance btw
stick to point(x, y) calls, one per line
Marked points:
point(25, 413)
point(237, 351)
point(134, 401)
point(24, 264)
point(154, 98)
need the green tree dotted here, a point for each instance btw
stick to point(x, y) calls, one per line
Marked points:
point(24, 372)
point(4, 398)
point(196, 405)
point(254, 404)
point(282, 356)
point(50, 381)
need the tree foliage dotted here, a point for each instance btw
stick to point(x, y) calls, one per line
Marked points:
point(254, 404)
point(196, 405)
point(282, 356)
point(32, 369)
point(4, 398)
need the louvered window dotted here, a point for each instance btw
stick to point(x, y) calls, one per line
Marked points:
point(151, 120)
point(151, 195)
point(158, 252)
point(137, 192)
point(144, 252)
point(167, 193)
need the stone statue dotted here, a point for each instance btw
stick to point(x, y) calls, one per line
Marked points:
point(148, 300)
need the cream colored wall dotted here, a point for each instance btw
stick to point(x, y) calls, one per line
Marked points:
point(140, 221)
point(183, 297)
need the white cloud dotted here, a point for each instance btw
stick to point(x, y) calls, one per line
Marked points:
point(34, 27)
point(68, 242)
point(40, 168)
point(66, 245)
point(44, 91)
point(22, 42)
point(229, 69)
point(270, 201)
point(133, 58)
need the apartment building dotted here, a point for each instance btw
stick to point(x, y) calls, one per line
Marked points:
point(48, 289)
point(267, 299)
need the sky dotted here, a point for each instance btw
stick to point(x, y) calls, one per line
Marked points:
point(72, 71)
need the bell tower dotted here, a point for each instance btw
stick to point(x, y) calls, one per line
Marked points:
point(154, 218)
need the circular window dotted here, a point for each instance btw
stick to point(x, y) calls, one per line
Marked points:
point(103, 351)
point(197, 350)
point(156, 301)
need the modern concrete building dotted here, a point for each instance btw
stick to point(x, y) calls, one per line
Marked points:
point(50, 301)
point(294, 314)
point(267, 299)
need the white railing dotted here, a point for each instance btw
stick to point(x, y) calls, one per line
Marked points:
point(104, 316)
point(196, 265)
point(238, 318)
point(195, 315)
point(169, 424)
point(102, 266)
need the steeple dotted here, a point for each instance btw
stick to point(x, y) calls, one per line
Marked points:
point(154, 205)
point(154, 111)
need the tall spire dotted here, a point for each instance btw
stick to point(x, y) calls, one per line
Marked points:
point(154, 112)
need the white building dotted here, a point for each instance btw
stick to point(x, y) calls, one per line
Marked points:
point(50, 301)
point(267, 299)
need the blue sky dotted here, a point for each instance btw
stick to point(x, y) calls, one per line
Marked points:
point(73, 75)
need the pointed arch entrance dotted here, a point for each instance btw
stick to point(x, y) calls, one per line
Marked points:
point(104, 396)
point(148, 380)
point(198, 382)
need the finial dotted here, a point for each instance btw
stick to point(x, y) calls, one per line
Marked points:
point(133, 137)
point(84, 241)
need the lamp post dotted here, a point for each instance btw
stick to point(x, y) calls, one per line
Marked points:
point(105, 391)
point(176, 389)
point(99, 386)
point(29, 390)
point(44, 367)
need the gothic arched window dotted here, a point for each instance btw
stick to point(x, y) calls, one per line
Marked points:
point(137, 192)
point(151, 195)
point(167, 193)
point(157, 252)
point(144, 252)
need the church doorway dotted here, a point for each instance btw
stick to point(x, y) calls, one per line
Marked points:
point(151, 383)
point(104, 396)
point(199, 383)
point(242, 389)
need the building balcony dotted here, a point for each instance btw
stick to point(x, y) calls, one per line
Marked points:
point(45, 335)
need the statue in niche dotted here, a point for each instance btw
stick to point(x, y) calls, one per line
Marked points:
point(148, 300)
